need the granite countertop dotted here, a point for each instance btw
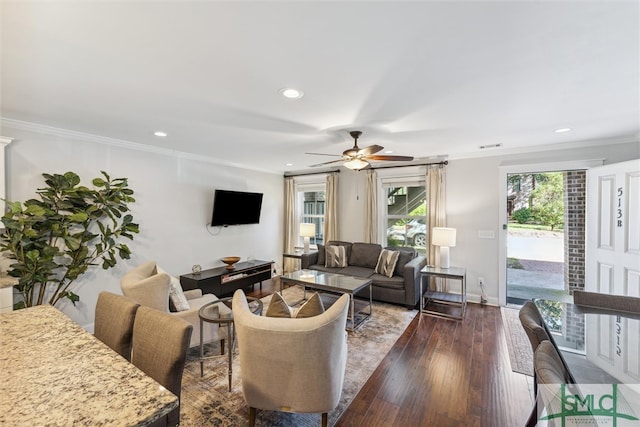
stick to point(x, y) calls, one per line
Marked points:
point(54, 373)
point(7, 281)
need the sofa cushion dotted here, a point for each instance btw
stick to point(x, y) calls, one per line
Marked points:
point(394, 282)
point(387, 262)
point(354, 270)
point(365, 254)
point(347, 246)
point(321, 253)
point(320, 267)
point(407, 253)
point(335, 256)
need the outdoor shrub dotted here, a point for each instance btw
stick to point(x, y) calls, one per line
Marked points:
point(522, 216)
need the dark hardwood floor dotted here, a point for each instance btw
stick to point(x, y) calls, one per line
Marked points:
point(443, 372)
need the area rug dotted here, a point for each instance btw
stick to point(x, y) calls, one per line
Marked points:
point(518, 344)
point(206, 400)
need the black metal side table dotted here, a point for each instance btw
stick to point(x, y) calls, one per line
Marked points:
point(211, 313)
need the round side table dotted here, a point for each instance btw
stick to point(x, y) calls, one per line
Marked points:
point(210, 313)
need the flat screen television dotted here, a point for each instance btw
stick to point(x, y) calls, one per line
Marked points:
point(236, 208)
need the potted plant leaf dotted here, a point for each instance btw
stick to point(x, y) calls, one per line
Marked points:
point(53, 240)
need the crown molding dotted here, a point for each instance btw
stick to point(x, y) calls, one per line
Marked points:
point(120, 143)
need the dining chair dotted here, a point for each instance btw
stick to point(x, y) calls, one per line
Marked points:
point(533, 324)
point(607, 301)
point(550, 371)
point(160, 344)
point(114, 318)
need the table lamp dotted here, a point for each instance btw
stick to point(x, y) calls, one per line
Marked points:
point(445, 238)
point(307, 230)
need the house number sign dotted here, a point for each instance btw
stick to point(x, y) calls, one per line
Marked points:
point(619, 208)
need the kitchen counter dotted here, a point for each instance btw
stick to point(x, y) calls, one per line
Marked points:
point(7, 281)
point(54, 373)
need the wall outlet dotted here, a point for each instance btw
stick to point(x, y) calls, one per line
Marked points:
point(481, 281)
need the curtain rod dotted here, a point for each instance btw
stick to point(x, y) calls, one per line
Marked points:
point(288, 174)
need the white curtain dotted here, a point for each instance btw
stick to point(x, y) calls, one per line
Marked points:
point(371, 209)
point(331, 208)
point(289, 264)
point(437, 215)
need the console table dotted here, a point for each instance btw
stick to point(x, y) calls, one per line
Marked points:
point(222, 282)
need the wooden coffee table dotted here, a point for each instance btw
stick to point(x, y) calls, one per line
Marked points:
point(336, 284)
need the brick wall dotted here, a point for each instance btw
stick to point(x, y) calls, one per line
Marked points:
point(575, 187)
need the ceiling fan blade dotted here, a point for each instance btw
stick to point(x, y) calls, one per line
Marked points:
point(370, 150)
point(385, 157)
point(324, 154)
point(326, 163)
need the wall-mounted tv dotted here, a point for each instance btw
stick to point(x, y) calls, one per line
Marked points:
point(236, 208)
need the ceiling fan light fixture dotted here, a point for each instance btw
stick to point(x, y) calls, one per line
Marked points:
point(356, 164)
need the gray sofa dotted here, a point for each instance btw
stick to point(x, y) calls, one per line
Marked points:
point(401, 288)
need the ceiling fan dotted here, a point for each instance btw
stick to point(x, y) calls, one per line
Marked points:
point(357, 158)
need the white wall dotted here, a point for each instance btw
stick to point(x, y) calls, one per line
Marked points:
point(174, 198)
point(175, 194)
point(473, 205)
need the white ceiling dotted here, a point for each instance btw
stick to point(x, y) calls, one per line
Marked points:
point(420, 78)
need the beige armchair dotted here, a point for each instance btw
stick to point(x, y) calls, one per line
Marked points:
point(291, 365)
point(147, 287)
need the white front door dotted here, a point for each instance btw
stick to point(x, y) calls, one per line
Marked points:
point(613, 264)
point(613, 229)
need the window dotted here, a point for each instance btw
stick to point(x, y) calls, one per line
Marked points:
point(404, 213)
point(406, 217)
point(310, 203)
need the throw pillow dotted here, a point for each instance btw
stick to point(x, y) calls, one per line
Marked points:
point(176, 295)
point(403, 259)
point(335, 256)
point(387, 262)
point(278, 307)
point(311, 307)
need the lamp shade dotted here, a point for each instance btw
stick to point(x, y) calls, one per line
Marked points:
point(443, 236)
point(307, 229)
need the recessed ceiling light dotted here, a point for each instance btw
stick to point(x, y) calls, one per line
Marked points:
point(563, 130)
point(289, 164)
point(291, 93)
point(388, 152)
point(160, 133)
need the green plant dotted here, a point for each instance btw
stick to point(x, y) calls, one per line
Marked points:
point(53, 241)
point(521, 216)
point(548, 203)
point(514, 263)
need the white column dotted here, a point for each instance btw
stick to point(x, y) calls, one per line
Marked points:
point(6, 289)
